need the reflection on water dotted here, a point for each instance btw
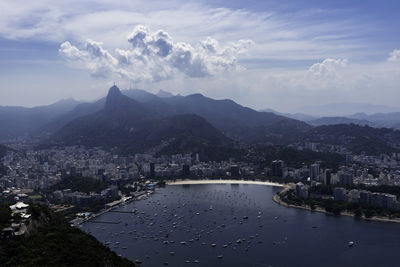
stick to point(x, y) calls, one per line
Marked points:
point(239, 225)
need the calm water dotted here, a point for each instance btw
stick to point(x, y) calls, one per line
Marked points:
point(202, 215)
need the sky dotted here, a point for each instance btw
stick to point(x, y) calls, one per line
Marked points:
point(279, 54)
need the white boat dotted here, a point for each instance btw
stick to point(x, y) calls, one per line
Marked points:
point(351, 243)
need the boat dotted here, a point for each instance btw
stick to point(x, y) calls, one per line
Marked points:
point(351, 243)
point(213, 245)
point(220, 256)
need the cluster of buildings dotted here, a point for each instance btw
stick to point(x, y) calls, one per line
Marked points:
point(366, 198)
point(321, 147)
point(81, 199)
point(346, 175)
point(18, 226)
point(39, 169)
point(363, 197)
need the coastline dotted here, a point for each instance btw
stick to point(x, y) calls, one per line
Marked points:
point(276, 198)
point(224, 181)
point(278, 201)
point(78, 221)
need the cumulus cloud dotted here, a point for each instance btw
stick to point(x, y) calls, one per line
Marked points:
point(327, 68)
point(394, 56)
point(154, 56)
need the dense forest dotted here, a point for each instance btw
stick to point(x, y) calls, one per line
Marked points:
point(79, 183)
point(356, 138)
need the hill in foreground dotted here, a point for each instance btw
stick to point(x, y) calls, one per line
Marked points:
point(50, 241)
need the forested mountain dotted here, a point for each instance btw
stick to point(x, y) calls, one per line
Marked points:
point(356, 138)
point(234, 120)
point(136, 121)
point(130, 126)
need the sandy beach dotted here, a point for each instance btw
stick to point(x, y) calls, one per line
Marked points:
point(187, 182)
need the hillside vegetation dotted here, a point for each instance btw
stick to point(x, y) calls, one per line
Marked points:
point(81, 184)
point(53, 242)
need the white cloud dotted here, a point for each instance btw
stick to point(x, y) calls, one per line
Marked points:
point(327, 68)
point(394, 56)
point(185, 64)
point(154, 56)
point(279, 35)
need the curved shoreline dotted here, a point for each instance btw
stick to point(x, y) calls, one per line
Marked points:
point(276, 197)
point(188, 182)
point(278, 201)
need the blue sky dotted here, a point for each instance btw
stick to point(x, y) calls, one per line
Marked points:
point(277, 54)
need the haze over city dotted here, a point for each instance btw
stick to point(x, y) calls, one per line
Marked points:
point(283, 55)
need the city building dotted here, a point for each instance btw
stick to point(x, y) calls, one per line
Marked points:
point(277, 168)
point(301, 190)
point(314, 172)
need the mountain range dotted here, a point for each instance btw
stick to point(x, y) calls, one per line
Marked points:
point(130, 126)
point(233, 120)
point(344, 109)
point(377, 120)
point(134, 121)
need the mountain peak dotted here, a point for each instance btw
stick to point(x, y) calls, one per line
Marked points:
point(165, 94)
point(197, 95)
point(114, 98)
point(123, 107)
point(114, 90)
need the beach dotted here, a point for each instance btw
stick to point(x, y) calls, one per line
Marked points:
point(189, 182)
